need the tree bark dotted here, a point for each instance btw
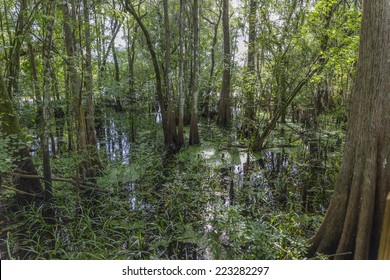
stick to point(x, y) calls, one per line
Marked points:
point(180, 131)
point(47, 92)
point(13, 68)
point(94, 164)
point(211, 87)
point(352, 225)
point(250, 110)
point(224, 110)
point(88, 166)
point(131, 57)
point(37, 92)
point(194, 131)
point(88, 80)
point(168, 79)
point(74, 78)
point(118, 104)
point(34, 74)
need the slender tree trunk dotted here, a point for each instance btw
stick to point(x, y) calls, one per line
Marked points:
point(99, 43)
point(4, 26)
point(168, 77)
point(188, 72)
point(131, 40)
point(88, 79)
point(211, 86)
point(194, 132)
point(74, 78)
point(34, 74)
point(114, 27)
point(250, 109)
point(170, 136)
point(282, 89)
point(131, 57)
point(59, 116)
point(105, 52)
point(37, 93)
point(50, 12)
point(94, 164)
point(22, 25)
point(352, 225)
point(86, 169)
point(118, 104)
point(68, 111)
point(181, 75)
point(224, 110)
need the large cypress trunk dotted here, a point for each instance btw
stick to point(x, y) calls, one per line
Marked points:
point(351, 228)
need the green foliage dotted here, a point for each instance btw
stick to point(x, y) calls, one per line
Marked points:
point(6, 153)
point(198, 203)
point(10, 145)
point(178, 207)
point(234, 236)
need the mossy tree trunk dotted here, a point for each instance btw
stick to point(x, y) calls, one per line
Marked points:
point(28, 190)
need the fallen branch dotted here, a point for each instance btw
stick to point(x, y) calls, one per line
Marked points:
point(18, 191)
point(57, 179)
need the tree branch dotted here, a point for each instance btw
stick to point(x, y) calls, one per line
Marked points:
point(66, 180)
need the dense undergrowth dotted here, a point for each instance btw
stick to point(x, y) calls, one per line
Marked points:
point(214, 201)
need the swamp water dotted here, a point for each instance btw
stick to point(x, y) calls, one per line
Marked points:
point(229, 183)
point(214, 201)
